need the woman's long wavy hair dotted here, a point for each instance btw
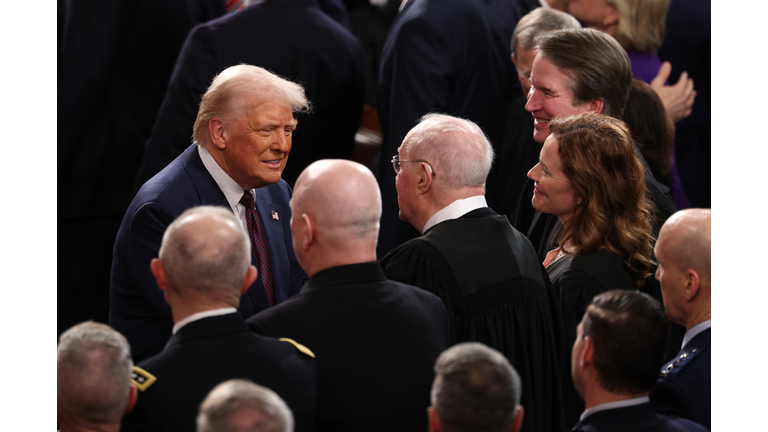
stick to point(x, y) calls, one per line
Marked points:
point(599, 159)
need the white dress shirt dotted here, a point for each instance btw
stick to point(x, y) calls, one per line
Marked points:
point(456, 210)
point(201, 315)
point(612, 405)
point(698, 328)
point(232, 191)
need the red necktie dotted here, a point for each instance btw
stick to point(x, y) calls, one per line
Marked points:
point(258, 244)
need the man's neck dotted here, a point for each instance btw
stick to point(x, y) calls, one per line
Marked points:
point(596, 395)
point(441, 210)
point(698, 317)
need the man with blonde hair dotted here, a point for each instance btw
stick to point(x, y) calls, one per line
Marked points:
point(243, 138)
point(375, 339)
point(486, 272)
point(240, 405)
point(203, 269)
point(93, 378)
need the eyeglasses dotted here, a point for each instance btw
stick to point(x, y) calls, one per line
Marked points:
point(396, 164)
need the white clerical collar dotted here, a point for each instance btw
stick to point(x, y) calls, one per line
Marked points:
point(695, 330)
point(232, 191)
point(201, 315)
point(455, 210)
point(612, 405)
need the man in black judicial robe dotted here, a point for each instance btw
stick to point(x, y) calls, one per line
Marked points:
point(375, 340)
point(486, 272)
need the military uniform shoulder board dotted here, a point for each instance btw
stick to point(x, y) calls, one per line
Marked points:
point(142, 379)
point(299, 347)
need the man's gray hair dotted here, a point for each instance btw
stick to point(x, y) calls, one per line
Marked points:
point(538, 21)
point(240, 88)
point(475, 389)
point(237, 395)
point(192, 262)
point(457, 149)
point(93, 366)
point(597, 66)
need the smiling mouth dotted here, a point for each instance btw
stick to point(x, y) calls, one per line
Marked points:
point(541, 121)
point(272, 162)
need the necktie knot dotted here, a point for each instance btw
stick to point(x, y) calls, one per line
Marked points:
point(247, 200)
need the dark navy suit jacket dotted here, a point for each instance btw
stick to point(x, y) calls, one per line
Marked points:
point(450, 56)
point(637, 418)
point(212, 350)
point(137, 306)
point(685, 385)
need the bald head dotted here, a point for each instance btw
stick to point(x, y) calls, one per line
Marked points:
point(206, 251)
point(686, 239)
point(457, 148)
point(336, 208)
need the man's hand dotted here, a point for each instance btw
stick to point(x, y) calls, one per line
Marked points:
point(678, 99)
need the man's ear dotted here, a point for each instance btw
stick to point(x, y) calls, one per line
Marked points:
point(692, 284)
point(308, 234)
point(512, 56)
point(156, 266)
point(612, 17)
point(133, 396)
point(250, 277)
point(434, 420)
point(425, 178)
point(218, 133)
point(588, 353)
point(517, 423)
point(596, 106)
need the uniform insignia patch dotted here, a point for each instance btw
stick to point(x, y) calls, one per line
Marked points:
point(299, 347)
point(142, 379)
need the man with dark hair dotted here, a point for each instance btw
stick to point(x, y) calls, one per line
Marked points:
point(486, 272)
point(376, 340)
point(243, 135)
point(203, 270)
point(619, 347)
point(93, 378)
point(684, 254)
point(475, 389)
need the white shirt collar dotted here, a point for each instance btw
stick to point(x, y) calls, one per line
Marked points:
point(612, 405)
point(455, 210)
point(232, 191)
point(695, 330)
point(201, 315)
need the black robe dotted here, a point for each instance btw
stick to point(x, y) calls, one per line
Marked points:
point(496, 292)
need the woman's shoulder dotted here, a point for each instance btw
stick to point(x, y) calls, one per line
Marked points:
point(605, 266)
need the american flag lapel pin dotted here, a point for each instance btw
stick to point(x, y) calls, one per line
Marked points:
point(275, 216)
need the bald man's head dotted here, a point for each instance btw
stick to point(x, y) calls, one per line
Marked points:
point(686, 238)
point(206, 251)
point(341, 196)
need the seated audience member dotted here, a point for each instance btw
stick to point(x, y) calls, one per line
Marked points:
point(684, 254)
point(591, 179)
point(293, 39)
point(240, 405)
point(614, 362)
point(516, 152)
point(475, 389)
point(243, 137)
point(485, 271)
point(638, 25)
point(93, 379)
point(203, 269)
point(564, 84)
point(376, 340)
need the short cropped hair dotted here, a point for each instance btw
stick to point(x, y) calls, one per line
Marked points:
point(195, 265)
point(599, 159)
point(456, 148)
point(642, 23)
point(475, 389)
point(240, 88)
point(598, 67)
point(94, 366)
point(537, 21)
point(236, 395)
point(629, 330)
point(651, 127)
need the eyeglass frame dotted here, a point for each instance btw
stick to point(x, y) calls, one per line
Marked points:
point(396, 162)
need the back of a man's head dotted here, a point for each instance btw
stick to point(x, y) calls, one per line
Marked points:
point(475, 389)
point(458, 150)
point(93, 366)
point(597, 65)
point(205, 251)
point(240, 405)
point(629, 331)
point(536, 22)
